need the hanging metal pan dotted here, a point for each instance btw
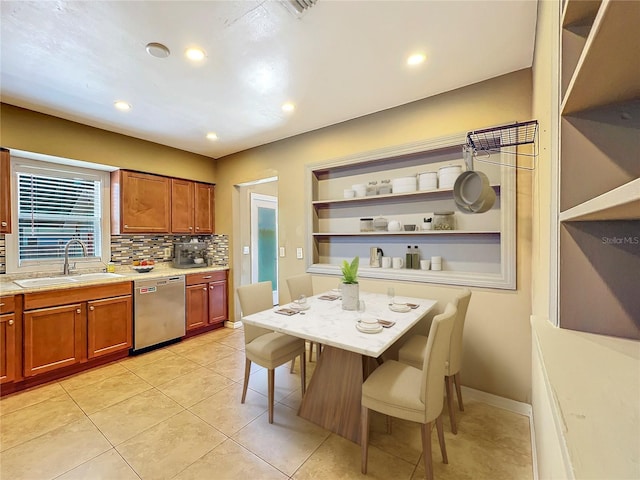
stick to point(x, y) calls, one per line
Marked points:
point(472, 191)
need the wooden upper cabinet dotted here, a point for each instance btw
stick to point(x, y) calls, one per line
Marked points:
point(141, 203)
point(5, 191)
point(204, 208)
point(182, 204)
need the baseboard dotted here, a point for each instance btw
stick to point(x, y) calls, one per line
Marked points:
point(514, 406)
point(229, 324)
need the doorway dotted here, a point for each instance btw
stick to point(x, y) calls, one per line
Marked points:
point(264, 240)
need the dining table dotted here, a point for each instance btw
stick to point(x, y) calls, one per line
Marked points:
point(349, 352)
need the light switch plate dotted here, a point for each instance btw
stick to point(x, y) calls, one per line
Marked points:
point(298, 253)
point(282, 254)
point(245, 250)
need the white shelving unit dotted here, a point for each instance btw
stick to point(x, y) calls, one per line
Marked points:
point(599, 221)
point(479, 252)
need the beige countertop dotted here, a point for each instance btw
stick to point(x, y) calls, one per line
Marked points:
point(7, 287)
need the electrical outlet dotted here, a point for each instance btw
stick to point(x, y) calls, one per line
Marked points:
point(299, 253)
point(245, 250)
point(282, 253)
point(167, 252)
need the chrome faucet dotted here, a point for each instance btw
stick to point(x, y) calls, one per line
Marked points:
point(65, 268)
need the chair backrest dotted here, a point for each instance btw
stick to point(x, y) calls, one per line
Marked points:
point(254, 298)
point(300, 285)
point(433, 368)
point(461, 302)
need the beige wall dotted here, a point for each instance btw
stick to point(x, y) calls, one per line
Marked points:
point(34, 132)
point(497, 335)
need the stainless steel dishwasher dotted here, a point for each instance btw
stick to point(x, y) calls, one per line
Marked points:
point(159, 311)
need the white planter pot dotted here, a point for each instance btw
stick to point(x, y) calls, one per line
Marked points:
point(350, 296)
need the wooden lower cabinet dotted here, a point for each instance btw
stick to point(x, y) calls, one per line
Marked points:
point(7, 348)
point(206, 299)
point(98, 323)
point(109, 326)
point(53, 338)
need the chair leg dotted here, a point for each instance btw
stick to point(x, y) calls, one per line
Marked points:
point(318, 351)
point(270, 382)
point(247, 370)
point(443, 447)
point(364, 437)
point(426, 449)
point(448, 383)
point(456, 377)
point(311, 351)
point(303, 372)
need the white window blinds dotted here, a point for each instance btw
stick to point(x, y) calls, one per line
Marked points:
point(55, 206)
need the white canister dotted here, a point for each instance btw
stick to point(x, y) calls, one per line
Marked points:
point(349, 193)
point(424, 264)
point(427, 181)
point(404, 184)
point(360, 189)
point(436, 263)
point(386, 262)
point(447, 175)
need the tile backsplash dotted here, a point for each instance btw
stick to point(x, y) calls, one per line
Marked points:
point(127, 248)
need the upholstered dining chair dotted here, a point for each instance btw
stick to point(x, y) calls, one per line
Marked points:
point(402, 391)
point(412, 353)
point(302, 285)
point(267, 348)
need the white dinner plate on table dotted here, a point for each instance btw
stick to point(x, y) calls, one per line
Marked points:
point(400, 307)
point(365, 328)
point(297, 306)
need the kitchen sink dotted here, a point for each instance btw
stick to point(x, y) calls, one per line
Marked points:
point(96, 276)
point(48, 281)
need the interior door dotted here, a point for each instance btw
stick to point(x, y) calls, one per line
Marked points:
point(264, 240)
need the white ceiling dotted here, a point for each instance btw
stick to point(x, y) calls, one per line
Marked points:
point(338, 61)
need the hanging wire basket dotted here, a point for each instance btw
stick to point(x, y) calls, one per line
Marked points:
point(495, 139)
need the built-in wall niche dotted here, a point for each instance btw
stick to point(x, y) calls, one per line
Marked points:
point(600, 270)
point(480, 251)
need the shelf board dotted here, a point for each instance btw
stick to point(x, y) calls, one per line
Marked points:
point(415, 233)
point(443, 192)
point(622, 203)
point(601, 78)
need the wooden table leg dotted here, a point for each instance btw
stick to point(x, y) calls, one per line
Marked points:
point(334, 394)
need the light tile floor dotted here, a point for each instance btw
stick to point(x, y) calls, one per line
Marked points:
point(176, 413)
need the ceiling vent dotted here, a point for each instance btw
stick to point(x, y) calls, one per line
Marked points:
point(298, 7)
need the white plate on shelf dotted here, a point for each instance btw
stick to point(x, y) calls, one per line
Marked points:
point(376, 328)
point(400, 308)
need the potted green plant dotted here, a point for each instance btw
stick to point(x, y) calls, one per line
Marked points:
point(350, 287)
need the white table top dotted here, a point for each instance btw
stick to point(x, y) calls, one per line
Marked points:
point(325, 322)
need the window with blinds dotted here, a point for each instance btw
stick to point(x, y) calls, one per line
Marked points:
point(54, 206)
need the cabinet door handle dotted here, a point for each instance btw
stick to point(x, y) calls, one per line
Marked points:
point(92, 308)
point(126, 226)
point(204, 288)
point(190, 228)
point(208, 276)
point(78, 311)
point(10, 322)
point(4, 224)
point(1, 304)
point(197, 228)
point(211, 287)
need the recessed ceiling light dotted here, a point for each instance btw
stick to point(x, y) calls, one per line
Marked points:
point(122, 105)
point(195, 54)
point(157, 50)
point(288, 107)
point(416, 59)
point(212, 136)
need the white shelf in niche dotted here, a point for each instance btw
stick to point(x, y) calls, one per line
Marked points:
point(622, 203)
point(391, 196)
point(414, 233)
